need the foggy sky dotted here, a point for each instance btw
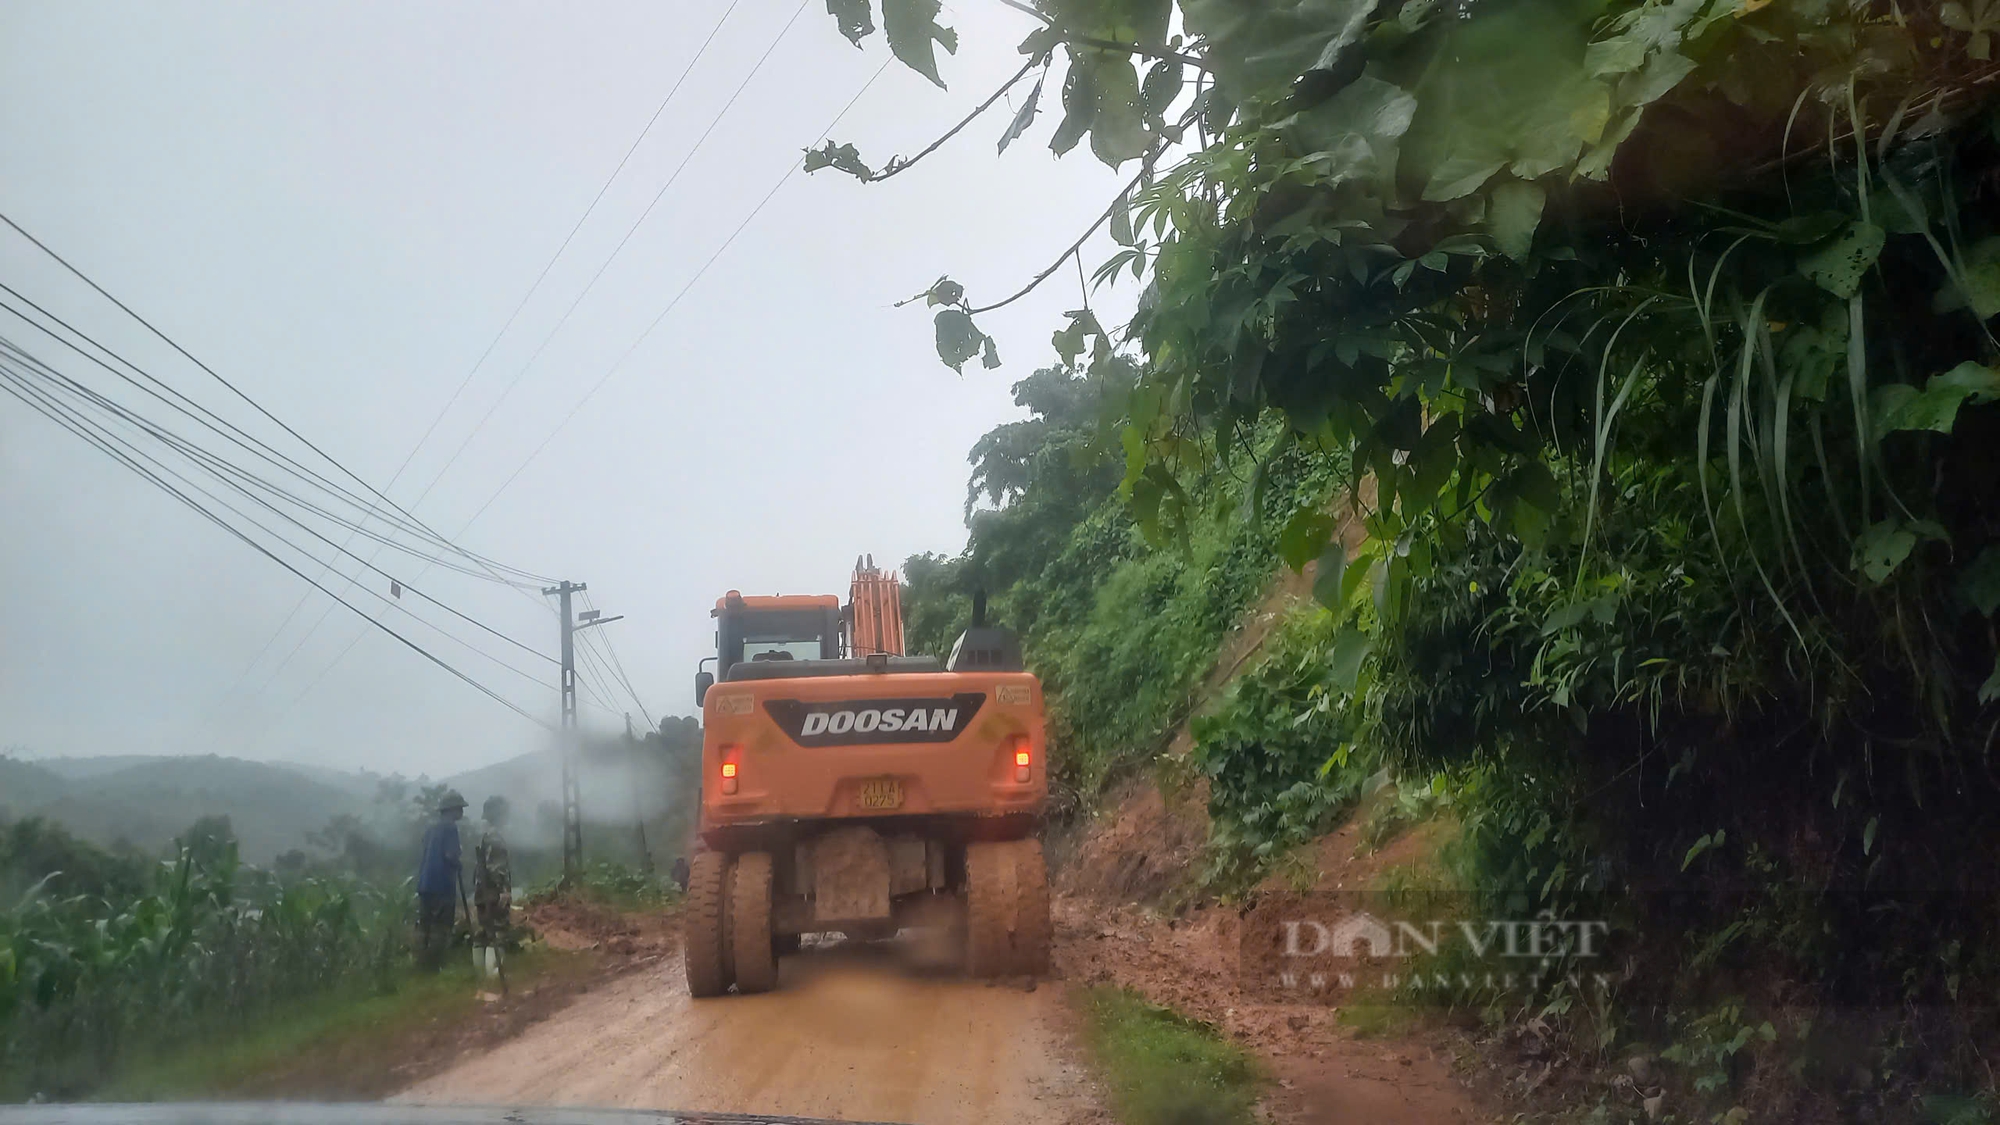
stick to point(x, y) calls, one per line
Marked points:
point(336, 205)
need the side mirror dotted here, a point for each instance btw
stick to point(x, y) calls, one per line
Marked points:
point(702, 682)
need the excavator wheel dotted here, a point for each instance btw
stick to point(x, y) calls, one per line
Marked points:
point(705, 944)
point(750, 922)
point(1007, 909)
point(989, 910)
point(1032, 928)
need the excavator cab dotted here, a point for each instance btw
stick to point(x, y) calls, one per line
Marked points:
point(763, 629)
point(794, 627)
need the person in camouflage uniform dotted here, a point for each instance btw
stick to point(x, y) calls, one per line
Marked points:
point(492, 878)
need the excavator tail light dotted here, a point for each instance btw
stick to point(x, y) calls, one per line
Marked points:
point(1021, 758)
point(729, 771)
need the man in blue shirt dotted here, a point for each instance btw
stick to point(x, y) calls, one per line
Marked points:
point(437, 882)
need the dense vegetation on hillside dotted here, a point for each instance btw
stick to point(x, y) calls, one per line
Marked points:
point(1120, 628)
point(1654, 342)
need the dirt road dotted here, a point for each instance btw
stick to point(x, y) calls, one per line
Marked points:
point(851, 1033)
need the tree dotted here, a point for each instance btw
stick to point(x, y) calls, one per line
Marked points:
point(35, 849)
point(210, 842)
point(1033, 482)
point(356, 847)
point(937, 603)
point(1359, 212)
point(1489, 254)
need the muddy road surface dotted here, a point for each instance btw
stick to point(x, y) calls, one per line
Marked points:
point(851, 1032)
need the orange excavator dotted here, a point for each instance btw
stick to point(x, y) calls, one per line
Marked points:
point(851, 788)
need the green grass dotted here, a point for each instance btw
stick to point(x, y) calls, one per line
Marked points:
point(619, 886)
point(1164, 1068)
point(1375, 1015)
point(1421, 889)
point(1425, 888)
point(334, 1045)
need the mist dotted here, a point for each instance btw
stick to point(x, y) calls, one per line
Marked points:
point(336, 206)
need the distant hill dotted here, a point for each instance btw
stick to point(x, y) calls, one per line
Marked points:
point(78, 769)
point(147, 800)
point(359, 783)
point(27, 784)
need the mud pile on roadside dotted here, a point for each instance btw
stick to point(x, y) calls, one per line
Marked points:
point(575, 922)
point(1117, 923)
point(1140, 851)
point(1299, 907)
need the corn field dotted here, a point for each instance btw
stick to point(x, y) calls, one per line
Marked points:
point(89, 983)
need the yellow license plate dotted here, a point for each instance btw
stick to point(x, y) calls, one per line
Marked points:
point(882, 793)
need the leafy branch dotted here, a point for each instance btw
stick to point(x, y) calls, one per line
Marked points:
point(1077, 246)
point(846, 158)
point(958, 339)
point(1075, 39)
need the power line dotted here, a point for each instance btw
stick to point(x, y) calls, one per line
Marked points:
point(104, 440)
point(581, 639)
point(225, 471)
point(173, 441)
point(222, 427)
point(369, 507)
point(611, 649)
point(211, 372)
point(623, 679)
point(536, 286)
point(508, 390)
point(607, 661)
point(600, 666)
point(591, 657)
point(616, 250)
point(619, 362)
point(21, 391)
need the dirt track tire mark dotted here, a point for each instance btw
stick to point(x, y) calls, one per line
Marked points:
point(750, 919)
point(706, 949)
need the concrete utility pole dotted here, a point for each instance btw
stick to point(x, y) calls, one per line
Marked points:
point(571, 795)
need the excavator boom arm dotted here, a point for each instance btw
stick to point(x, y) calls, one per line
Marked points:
point(876, 598)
